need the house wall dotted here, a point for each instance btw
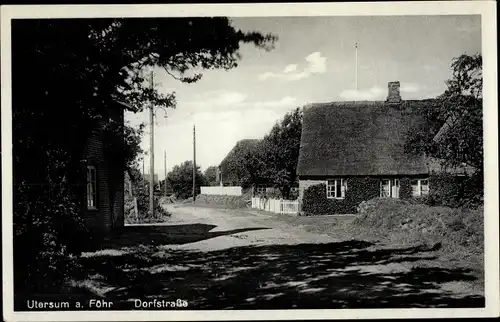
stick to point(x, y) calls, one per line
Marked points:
point(100, 219)
point(119, 206)
point(106, 217)
point(306, 183)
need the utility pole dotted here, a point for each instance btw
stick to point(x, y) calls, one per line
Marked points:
point(194, 164)
point(152, 156)
point(143, 174)
point(356, 46)
point(165, 167)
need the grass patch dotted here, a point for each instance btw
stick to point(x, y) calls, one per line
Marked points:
point(459, 231)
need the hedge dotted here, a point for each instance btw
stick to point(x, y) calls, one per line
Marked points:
point(143, 207)
point(49, 233)
point(316, 203)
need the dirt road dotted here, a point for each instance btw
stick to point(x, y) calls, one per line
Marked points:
point(241, 228)
point(243, 259)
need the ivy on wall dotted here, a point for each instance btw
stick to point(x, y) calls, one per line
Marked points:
point(315, 202)
point(405, 191)
point(444, 190)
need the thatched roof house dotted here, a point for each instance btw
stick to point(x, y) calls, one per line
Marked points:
point(345, 140)
point(230, 165)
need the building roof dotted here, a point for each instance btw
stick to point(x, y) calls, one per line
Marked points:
point(360, 138)
point(242, 145)
point(230, 163)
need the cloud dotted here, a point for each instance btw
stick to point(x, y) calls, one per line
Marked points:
point(286, 101)
point(290, 68)
point(374, 93)
point(230, 98)
point(379, 93)
point(222, 101)
point(224, 98)
point(218, 99)
point(316, 64)
point(410, 88)
point(267, 75)
point(429, 68)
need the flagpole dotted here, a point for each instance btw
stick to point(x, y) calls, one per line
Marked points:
point(356, 76)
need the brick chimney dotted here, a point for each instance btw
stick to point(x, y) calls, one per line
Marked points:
point(393, 95)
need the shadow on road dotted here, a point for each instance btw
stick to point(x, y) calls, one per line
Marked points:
point(333, 275)
point(165, 235)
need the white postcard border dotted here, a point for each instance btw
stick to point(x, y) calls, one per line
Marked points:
point(487, 10)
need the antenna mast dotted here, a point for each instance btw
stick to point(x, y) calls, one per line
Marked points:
point(356, 76)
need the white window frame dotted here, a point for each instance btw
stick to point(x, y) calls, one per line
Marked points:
point(91, 188)
point(419, 191)
point(392, 183)
point(382, 190)
point(332, 193)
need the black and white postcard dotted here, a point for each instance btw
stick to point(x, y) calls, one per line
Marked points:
point(250, 161)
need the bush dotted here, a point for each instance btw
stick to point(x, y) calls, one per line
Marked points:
point(294, 194)
point(145, 215)
point(48, 234)
point(316, 203)
point(455, 191)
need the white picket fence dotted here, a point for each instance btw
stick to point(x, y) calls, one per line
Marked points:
point(278, 206)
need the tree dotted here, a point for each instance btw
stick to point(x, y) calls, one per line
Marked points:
point(211, 175)
point(281, 152)
point(80, 65)
point(461, 107)
point(66, 74)
point(181, 179)
point(459, 110)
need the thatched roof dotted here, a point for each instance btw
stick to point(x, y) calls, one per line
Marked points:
point(227, 165)
point(360, 138)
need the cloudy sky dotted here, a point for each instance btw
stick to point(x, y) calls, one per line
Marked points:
point(313, 61)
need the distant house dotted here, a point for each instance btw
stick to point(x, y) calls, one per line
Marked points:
point(345, 140)
point(229, 168)
point(104, 187)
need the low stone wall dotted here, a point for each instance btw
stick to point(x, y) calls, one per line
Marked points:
point(228, 201)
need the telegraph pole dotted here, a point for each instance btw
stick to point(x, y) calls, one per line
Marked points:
point(194, 164)
point(152, 157)
point(143, 174)
point(165, 167)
